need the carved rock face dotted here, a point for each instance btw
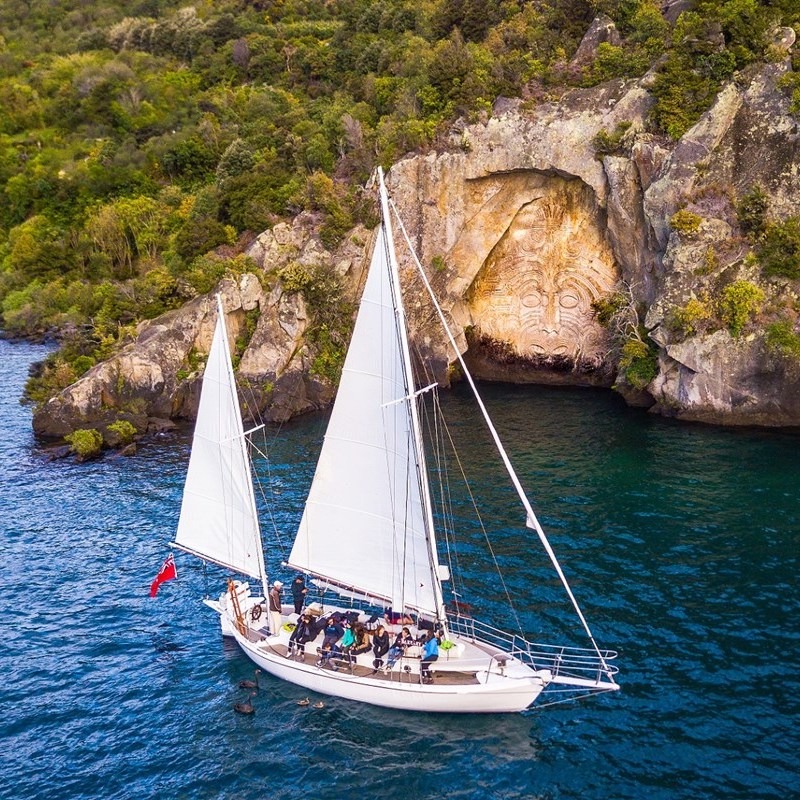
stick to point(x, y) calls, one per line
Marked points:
point(535, 289)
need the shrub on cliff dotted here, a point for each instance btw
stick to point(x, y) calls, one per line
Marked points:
point(693, 317)
point(790, 83)
point(751, 212)
point(86, 443)
point(122, 432)
point(606, 308)
point(782, 339)
point(606, 143)
point(639, 362)
point(685, 222)
point(739, 303)
point(779, 251)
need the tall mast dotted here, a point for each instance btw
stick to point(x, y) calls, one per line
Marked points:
point(416, 429)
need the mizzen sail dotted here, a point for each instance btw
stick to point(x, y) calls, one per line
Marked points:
point(218, 520)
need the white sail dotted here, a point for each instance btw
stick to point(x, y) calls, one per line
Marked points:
point(364, 526)
point(218, 520)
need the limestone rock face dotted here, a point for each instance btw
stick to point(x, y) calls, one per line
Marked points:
point(529, 229)
point(523, 227)
point(158, 377)
point(717, 377)
point(141, 382)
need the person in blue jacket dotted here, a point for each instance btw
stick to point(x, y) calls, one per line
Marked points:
point(332, 632)
point(430, 653)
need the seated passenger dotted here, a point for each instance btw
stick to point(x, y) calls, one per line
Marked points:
point(403, 640)
point(348, 638)
point(332, 632)
point(304, 632)
point(430, 653)
point(327, 652)
point(361, 644)
point(380, 646)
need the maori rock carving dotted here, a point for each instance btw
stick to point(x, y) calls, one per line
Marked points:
point(536, 288)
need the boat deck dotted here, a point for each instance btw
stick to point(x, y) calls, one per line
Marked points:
point(447, 677)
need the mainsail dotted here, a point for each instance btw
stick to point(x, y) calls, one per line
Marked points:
point(364, 525)
point(218, 520)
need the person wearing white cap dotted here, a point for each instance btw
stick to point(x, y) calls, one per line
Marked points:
point(275, 620)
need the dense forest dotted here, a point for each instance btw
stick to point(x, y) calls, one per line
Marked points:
point(144, 144)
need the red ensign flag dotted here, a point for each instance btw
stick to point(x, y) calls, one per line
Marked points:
point(166, 573)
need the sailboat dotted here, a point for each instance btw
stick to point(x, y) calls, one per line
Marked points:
point(367, 538)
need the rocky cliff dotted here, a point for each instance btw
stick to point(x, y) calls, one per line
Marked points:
point(528, 223)
point(533, 224)
point(157, 378)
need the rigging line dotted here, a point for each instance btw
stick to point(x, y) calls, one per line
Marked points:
point(392, 500)
point(532, 520)
point(447, 500)
point(485, 532)
point(576, 698)
point(245, 386)
point(269, 504)
point(447, 522)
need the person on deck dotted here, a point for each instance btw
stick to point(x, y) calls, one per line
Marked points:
point(332, 632)
point(430, 653)
point(380, 646)
point(305, 631)
point(299, 592)
point(397, 618)
point(403, 640)
point(362, 643)
point(348, 639)
point(275, 620)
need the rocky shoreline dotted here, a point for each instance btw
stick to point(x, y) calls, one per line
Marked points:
point(526, 225)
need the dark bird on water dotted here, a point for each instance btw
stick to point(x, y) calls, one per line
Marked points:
point(245, 707)
point(247, 684)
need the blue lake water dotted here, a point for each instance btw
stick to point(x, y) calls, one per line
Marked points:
point(682, 544)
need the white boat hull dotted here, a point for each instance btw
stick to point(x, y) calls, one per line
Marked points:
point(497, 695)
point(512, 688)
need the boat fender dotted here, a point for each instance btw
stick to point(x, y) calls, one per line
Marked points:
point(255, 613)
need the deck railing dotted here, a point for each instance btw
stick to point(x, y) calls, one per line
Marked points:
point(568, 662)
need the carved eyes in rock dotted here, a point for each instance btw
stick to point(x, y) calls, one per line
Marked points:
point(537, 300)
point(569, 300)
